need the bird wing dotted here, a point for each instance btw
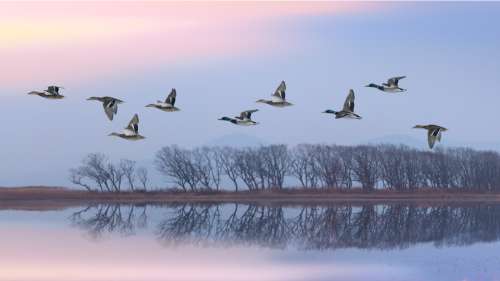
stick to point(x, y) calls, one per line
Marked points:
point(133, 125)
point(280, 91)
point(171, 97)
point(110, 107)
point(109, 111)
point(432, 136)
point(247, 114)
point(349, 102)
point(394, 81)
point(53, 90)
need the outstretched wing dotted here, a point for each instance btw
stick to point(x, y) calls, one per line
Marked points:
point(349, 101)
point(54, 90)
point(108, 111)
point(110, 107)
point(433, 135)
point(280, 91)
point(247, 114)
point(171, 97)
point(133, 125)
point(393, 82)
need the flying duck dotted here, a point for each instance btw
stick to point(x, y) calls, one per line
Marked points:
point(433, 133)
point(52, 93)
point(391, 86)
point(131, 132)
point(278, 98)
point(348, 110)
point(168, 104)
point(109, 104)
point(245, 118)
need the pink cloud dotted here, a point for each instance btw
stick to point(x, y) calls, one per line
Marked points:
point(67, 42)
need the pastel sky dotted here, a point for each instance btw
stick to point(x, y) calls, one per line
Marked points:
point(222, 57)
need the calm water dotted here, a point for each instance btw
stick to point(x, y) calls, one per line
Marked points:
point(247, 242)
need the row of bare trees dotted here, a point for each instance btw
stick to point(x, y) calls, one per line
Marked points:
point(329, 166)
point(309, 166)
point(98, 173)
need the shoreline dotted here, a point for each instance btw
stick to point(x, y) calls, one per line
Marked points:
point(50, 198)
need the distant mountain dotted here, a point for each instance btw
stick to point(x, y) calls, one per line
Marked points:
point(236, 140)
point(398, 139)
point(422, 143)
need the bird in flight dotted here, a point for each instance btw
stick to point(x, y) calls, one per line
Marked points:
point(348, 109)
point(131, 132)
point(52, 93)
point(168, 105)
point(245, 118)
point(278, 98)
point(433, 133)
point(109, 104)
point(392, 85)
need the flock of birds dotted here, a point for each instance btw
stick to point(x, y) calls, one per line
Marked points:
point(131, 132)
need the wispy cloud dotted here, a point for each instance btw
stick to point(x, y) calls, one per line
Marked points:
point(64, 42)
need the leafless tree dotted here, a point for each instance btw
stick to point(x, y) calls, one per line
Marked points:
point(303, 166)
point(143, 177)
point(227, 159)
point(128, 169)
point(276, 162)
point(176, 164)
point(365, 166)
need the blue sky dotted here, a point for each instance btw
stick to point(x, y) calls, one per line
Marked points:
point(449, 51)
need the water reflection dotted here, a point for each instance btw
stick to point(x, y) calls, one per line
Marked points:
point(306, 228)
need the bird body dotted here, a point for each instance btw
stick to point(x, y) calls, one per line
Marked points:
point(131, 132)
point(392, 85)
point(52, 93)
point(245, 118)
point(109, 104)
point(434, 133)
point(168, 105)
point(278, 98)
point(348, 109)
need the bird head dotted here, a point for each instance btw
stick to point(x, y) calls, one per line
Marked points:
point(225, 118)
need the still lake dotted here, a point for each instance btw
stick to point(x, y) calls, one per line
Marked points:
point(252, 242)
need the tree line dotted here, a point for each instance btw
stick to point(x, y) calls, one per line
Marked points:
point(309, 166)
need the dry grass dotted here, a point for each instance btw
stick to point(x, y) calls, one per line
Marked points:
point(44, 198)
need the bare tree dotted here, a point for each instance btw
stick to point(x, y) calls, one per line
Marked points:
point(303, 166)
point(227, 159)
point(143, 177)
point(276, 162)
point(365, 166)
point(128, 169)
point(176, 164)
